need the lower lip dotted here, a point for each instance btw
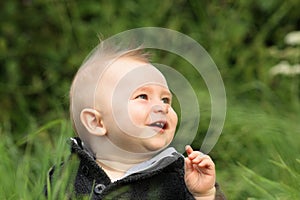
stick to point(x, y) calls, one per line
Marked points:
point(158, 130)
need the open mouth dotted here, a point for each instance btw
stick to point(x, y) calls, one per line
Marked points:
point(159, 124)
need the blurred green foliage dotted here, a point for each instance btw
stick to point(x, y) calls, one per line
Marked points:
point(43, 42)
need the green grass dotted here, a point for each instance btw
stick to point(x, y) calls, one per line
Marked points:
point(26, 161)
point(257, 156)
point(258, 153)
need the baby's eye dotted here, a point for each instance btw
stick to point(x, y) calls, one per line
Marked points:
point(142, 96)
point(166, 100)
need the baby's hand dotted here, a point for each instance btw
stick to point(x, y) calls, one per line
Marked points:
point(200, 174)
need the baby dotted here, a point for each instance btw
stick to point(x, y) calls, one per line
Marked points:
point(121, 111)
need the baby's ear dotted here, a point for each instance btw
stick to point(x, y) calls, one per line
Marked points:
point(92, 121)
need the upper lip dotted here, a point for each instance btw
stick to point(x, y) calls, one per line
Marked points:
point(159, 124)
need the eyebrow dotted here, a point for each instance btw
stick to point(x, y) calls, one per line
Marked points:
point(146, 88)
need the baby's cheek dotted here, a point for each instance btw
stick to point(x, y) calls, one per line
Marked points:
point(137, 114)
point(173, 117)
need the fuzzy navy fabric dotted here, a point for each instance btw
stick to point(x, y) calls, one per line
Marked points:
point(165, 181)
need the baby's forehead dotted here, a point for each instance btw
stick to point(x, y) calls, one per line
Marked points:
point(132, 73)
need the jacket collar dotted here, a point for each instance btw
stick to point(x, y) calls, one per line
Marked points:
point(158, 162)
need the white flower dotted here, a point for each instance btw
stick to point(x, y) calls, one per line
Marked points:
point(296, 69)
point(285, 68)
point(292, 38)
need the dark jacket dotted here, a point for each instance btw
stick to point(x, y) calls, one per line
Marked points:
point(164, 181)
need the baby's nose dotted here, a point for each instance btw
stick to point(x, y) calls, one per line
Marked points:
point(161, 108)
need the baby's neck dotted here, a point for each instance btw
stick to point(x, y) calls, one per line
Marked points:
point(115, 170)
point(116, 161)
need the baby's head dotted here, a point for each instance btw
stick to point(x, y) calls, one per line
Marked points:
point(119, 99)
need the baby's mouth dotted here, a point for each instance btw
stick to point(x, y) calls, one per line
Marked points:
point(159, 124)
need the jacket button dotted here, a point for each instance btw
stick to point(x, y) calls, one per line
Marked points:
point(99, 188)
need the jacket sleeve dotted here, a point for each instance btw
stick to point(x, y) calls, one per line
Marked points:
point(219, 194)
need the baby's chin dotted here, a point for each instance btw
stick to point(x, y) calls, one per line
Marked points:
point(156, 144)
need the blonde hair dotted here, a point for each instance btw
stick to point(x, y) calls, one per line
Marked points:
point(87, 77)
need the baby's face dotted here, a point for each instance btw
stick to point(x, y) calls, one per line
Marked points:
point(135, 105)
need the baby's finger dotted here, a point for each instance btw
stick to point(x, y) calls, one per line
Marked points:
point(200, 157)
point(188, 149)
point(196, 154)
point(188, 165)
point(207, 164)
